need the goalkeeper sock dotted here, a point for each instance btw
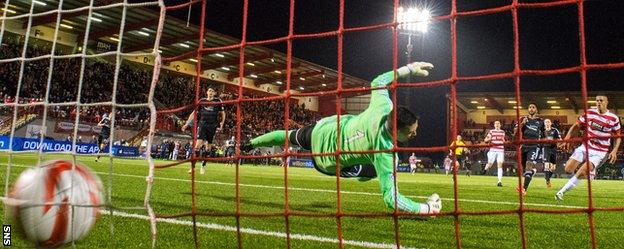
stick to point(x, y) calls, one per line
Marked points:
point(528, 175)
point(275, 138)
point(569, 185)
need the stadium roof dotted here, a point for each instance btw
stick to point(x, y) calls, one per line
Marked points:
point(263, 65)
point(544, 100)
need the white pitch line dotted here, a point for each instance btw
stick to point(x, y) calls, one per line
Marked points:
point(214, 226)
point(327, 190)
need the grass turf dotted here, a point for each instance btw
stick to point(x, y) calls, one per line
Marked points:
point(261, 191)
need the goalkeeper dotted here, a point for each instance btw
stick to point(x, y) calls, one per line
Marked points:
point(370, 130)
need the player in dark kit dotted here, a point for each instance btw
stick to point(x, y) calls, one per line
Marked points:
point(102, 139)
point(230, 150)
point(549, 151)
point(532, 127)
point(207, 121)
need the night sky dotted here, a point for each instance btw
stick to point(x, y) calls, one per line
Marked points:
point(548, 39)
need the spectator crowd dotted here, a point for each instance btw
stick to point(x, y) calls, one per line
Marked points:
point(173, 90)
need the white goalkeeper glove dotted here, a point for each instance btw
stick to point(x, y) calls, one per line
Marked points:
point(420, 68)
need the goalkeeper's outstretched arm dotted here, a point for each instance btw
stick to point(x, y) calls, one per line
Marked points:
point(380, 98)
point(384, 166)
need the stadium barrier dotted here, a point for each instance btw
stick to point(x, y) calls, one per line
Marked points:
point(301, 162)
point(48, 145)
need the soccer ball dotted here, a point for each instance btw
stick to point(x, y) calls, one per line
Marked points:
point(53, 204)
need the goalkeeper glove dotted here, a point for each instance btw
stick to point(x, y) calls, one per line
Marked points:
point(420, 68)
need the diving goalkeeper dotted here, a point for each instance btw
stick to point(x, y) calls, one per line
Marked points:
point(370, 130)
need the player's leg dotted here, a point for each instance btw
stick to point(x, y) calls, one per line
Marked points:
point(547, 174)
point(274, 138)
point(574, 179)
point(528, 155)
point(203, 134)
point(301, 137)
point(549, 168)
point(208, 145)
point(101, 145)
point(534, 156)
point(574, 161)
point(463, 163)
point(548, 164)
point(500, 157)
point(577, 157)
point(594, 160)
point(528, 174)
point(491, 157)
point(206, 134)
point(198, 152)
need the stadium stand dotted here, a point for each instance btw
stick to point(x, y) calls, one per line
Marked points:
point(172, 91)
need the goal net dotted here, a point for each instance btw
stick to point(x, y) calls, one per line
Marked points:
point(67, 64)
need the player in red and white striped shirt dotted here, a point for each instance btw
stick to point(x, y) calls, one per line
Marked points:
point(599, 122)
point(413, 161)
point(496, 137)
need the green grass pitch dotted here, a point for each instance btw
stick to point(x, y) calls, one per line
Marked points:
point(262, 190)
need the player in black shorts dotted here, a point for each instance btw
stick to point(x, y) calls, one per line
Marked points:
point(102, 139)
point(210, 120)
point(549, 151)
point(230, 150)
point(532, 127)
